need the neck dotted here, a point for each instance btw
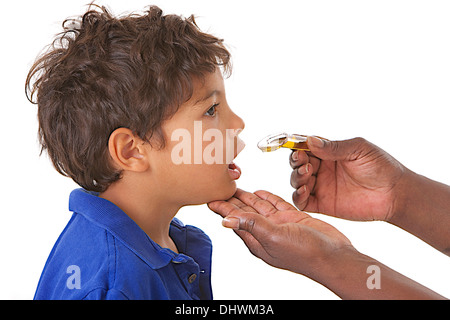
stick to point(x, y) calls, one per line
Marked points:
point(151, 211)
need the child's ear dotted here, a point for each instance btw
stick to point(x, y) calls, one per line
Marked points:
point(127, 150)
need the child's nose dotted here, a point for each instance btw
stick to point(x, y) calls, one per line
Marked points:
point(238, 123)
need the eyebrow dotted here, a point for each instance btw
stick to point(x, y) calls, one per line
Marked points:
point(209, 95)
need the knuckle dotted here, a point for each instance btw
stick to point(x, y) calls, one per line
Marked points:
point(359, 141)
point(334, 146)
point(248, 225)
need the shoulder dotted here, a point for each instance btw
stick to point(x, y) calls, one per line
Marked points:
point(80, 259)
point(100, 267)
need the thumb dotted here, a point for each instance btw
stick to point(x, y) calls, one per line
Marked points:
point(255, 224)
point(335, 150)
point(255, 230)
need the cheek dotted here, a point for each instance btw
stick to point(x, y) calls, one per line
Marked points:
point(197, 183)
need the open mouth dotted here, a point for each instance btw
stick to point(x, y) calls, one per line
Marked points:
point(234, 171)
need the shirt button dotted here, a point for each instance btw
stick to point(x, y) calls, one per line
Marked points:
point(192, 278)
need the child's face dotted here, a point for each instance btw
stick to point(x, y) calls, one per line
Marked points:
point(201, 141)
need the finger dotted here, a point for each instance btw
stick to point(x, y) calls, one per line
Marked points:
point(291, 216)
point(310, 205)
point(298, 158)
point(239, 193)
point(224, 208)
point(301, 175)
point(278, 202)
point(263, 207)
point(238, 203)
point(336, 150)
point(255, 224)
point(315, 163)
point(311, 184)
point(300, 197)
point(301, 194)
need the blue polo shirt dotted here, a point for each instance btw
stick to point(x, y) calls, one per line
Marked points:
point(103, 254)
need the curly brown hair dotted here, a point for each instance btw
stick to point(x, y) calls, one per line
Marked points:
point(104, 72)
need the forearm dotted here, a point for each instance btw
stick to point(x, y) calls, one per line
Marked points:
point(423, 209)
point(352, 275)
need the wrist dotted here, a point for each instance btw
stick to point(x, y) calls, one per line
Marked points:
point(422, 209)
point(353, 275)
point(334, 270)
point(404, 195)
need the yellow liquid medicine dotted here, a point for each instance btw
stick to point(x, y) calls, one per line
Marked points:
point(290, 141)
point(296, 145)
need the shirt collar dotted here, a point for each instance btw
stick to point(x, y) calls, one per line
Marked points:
point(107, 215)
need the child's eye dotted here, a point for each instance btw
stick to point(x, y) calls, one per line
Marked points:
point(211, 111)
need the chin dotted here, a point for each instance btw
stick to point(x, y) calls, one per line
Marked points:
point(216, 194)
point(227, 194)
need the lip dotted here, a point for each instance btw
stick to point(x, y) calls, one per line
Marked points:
point(234, 171)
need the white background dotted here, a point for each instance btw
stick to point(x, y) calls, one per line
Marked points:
point(338, 69)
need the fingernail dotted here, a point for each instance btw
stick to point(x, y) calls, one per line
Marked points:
point(316, 142)
point(230, 222)
point(303, 169)
point(301, 190)
point(295, 156)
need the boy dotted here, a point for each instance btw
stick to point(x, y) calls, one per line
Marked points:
point(111, 92)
